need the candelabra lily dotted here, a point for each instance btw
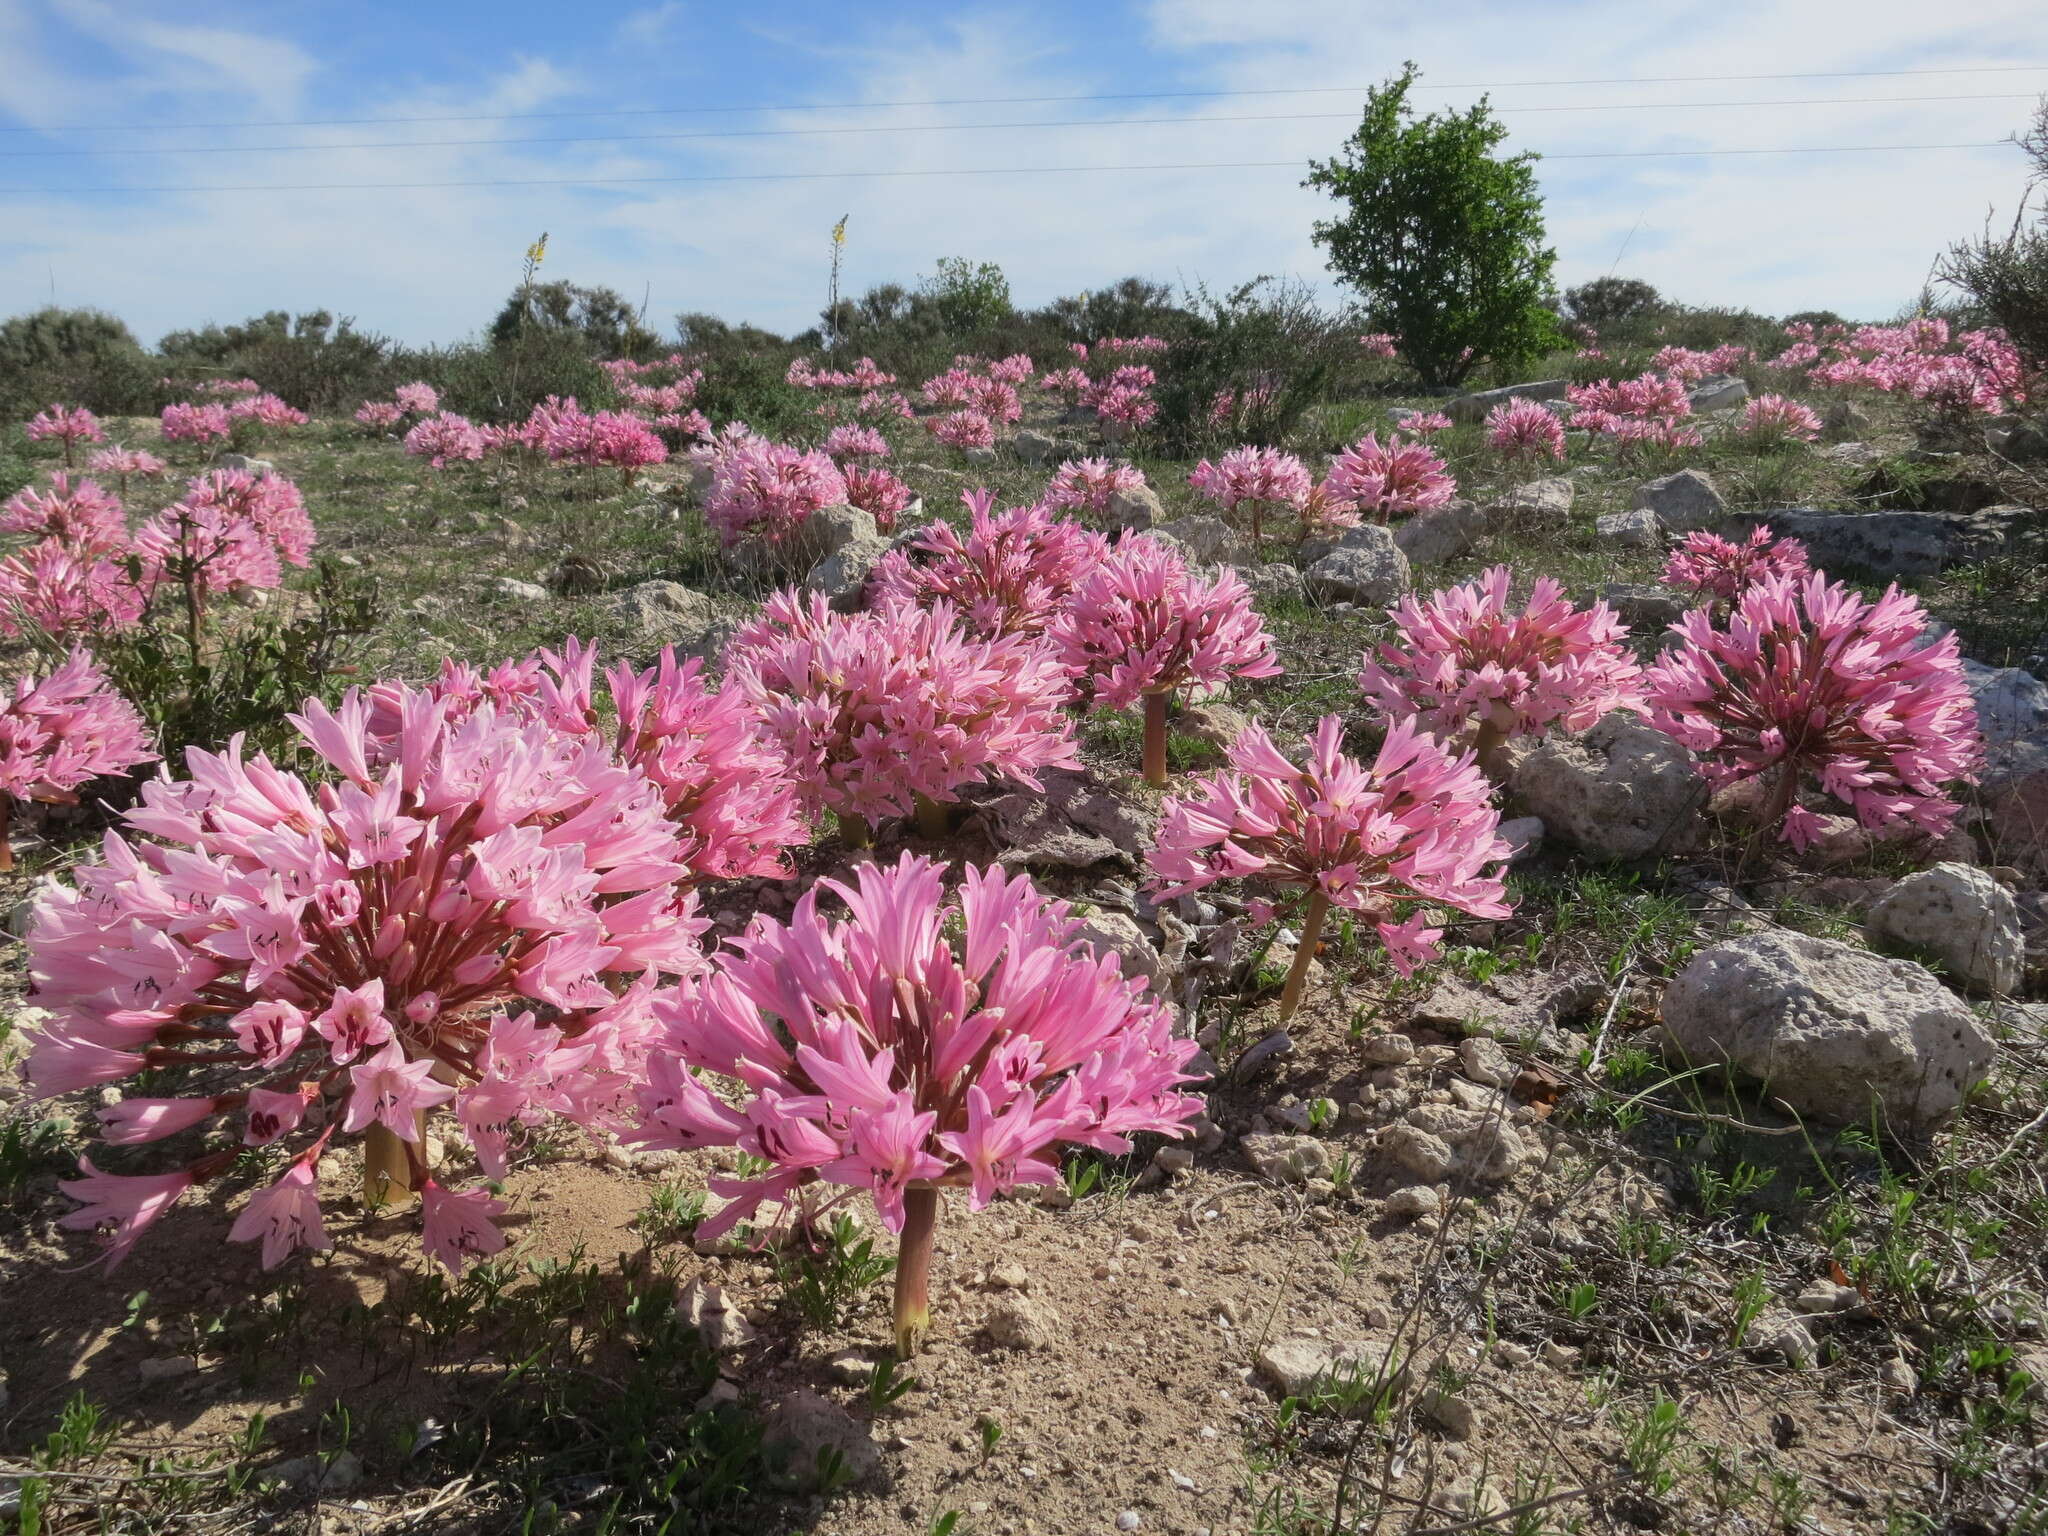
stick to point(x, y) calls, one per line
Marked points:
point(381, 937)
point(61, 732)
point(1810, 681)
point(1468, 667)
point(915, 1044)
point(1010, 575)
point(1141, 626)
point(1417, 826)
point(68, 425)
point(1390, 479)
point(1256, 478)
point(1724, 570)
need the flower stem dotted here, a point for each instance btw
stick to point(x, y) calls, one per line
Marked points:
point(1487, 741)
point(855, 832)
point(1304, 953)
point(6, 846)
point(914, 1270)
point(934, 819)
point(1155, 740)
point(387, 1170)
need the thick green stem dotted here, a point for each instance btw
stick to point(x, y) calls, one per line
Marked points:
point(1487, 741)
point(934, 819)
point(1155, 740)
point(1304, 953)
point(854, 832)
point(914, 1270)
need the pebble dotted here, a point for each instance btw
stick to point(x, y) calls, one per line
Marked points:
point(1414, 1201)
point(1388, 1050)
point(1560, 1357)
point(1263, 1055)
point(1511, 1354)
point(1897, 1376)
point(1127, 1521)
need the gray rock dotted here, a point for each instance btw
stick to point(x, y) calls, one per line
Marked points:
point(1022, 1322)
point(1645, 609)
point(1441, 533)
point(1717, 392)
point(1387, 1050)
point(1274, 582)
point(1412, 1202)
point(1213, 721)
point(1482, 1060)
point(2012, 712)
point(1367, 567)
point(1296, 1362)
point(1845, 422)
point(1684, 502)
point(1828, 1028)
point(1524, 835)
point(312, 1474)
point(167, 1368)
point(1209, 541)
point(1629, 530)
point(1077, 822)
point(1429, 1157)
point(1116, 933)
point(1034, 448)
point(1963, 917)
point(843, 575)
point(1286, 1159)
point(1137, 508)
point(254, 468)
point(1449, 1412)
point(2027, 443)
point(980, 458)
point(1622, 790)
point(1898, 543)
point(1545, 503)
point(722, 1326)
point(1473, 407)
point(519, 591)
point(1513, 1006)
point(1780, 1333)
point(805, 1431)
point(659, 613)
point(1480, 1142)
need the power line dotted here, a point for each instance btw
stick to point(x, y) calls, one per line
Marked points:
point(992, 170)
point(1072, 122)
point(1013, 101)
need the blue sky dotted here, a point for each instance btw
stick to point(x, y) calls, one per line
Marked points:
point(255, 94)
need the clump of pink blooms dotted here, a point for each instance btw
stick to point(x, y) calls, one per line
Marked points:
point(122, 463)
point(1011, 574)
point(417, 399)
point(964, 429)
point(878, 493)
point(1416, 826)
point(382, 937)
point(1426, 424)
point(1394, 480)
point(1257, 478)
point(1463, 661)
point(1121, 404)
point(1017, 368)
point(78, 514)
point(1323, 511)
point(1724, 570)
point(622, 442)
point(229, 387)
point(61, 592)
point(1809, 682)
point(1380, 344)
point(228, 532)
point(855, 442)
point(873, 710)
point(1231, 409)
point(1522, 432)
point(1772, 421)
point(380, 415)
point(68, 425)
point(185, 422)
point(1065, 381)
point(1976, 371)
point(804, 374)
point(1645, 411)
point(1690, 365)
point(61, 732)
point(444, 439)
point(266, 410)
point(914, 1043)
point(1089, 485)
point(768, 491)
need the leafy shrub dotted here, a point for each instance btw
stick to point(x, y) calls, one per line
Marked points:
point(504, 381)
point(80, 355)
point(967, 295)
point(600, 318)
point(1270, 349)
point(312, 360)
point(1607, 300)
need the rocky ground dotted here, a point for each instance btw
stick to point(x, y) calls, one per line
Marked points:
point(1520, 1243)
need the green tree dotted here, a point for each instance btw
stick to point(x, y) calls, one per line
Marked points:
point(967, 295)
point(1443, 241)
point(608, 324)
point(1611, 301)
point(2005, 274)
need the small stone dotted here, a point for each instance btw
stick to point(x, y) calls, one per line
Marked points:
point(1897, 1377)
point(1826, 1296)
point(1034, 448)
point(800, 1431)
point(1427, 1156)
point(1294, 1362)
point(1263, 1055)
point(722, 1326)
point(1512, 1355)
point(1485, 1062)
point(1287, 1159)
point(722, 1394)
point(1450, 1413)
point(1413, 1202)
point(1560, 1357)
point(1388, 1050)
point(1009, 1276)
point(1778, 1332)
point(519, 591)
point(850, 1368)
point(1684, 502)
point(1127, 1521)
point(314, 1474)
point(1139, 507)
point(1017, 1322)
point(1629, 530)
point(1524, 837)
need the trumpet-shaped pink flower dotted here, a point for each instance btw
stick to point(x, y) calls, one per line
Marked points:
point(1646, 411)
point(1011, 573)
point(1417, 825)
point(1089, 485)
point(460, 1226)
point(1065, 381)
point(372, 933)
point(1462, 660)
point(914, 1042)
point(380, 415)
point(766, 491)
point(878, 493)
point(440, 439)
point(964, 429)
point(1322, 511)
point(625, 443)
point(63, 732)
point(1521, 431)
point(284, 1218)
point(1254, 477)
point(1708, 563)
point(81, 516)
point(1773, 421)
point(871, 710)
point(1017, 368)
point(1140, 622)
point(131, 1204)
point(1813, 684)
point(418, 399)
point(185, 422)
point(1122, 408)
point(69, 425)
point(855, 442)
point(125, 462)
point(1396, 480)
point(228, 531)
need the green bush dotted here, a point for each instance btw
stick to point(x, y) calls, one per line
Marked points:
point(1443, 241)
point(503, 382)
point(76, 356)
point(1271, 347)
point(600, 318)
point(312, 360)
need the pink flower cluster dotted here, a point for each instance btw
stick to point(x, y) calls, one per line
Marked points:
point(1394, 480)
point(878, 493)
point(66, 424)
point(1724, 570)
point(964, 430)
point(185, 422)
point(124, 462)
point(80, 515)
point(1141, 623)
point(1426, 424)
point(1089, 485)
point(767, 491)
point(856, 442)
point(418, 399)
point(444, 439)
point(61, 732)
point(1065, 381)
point(377, 937)
point(1381, 344)
point(1691, 365)
point(1810, 681)
point(1976, 371)
point(1463, 660)
point(1645, 411)
point(985, 394)
point(1418, 825)
point(871, 710)
point(863, 375)
point(1522, 432)
point(1122, 402)
point(266, 410)
point(229, 387)
point(380, 415)
point(1770, 421)
point(1258, 477)
point(880, 1053)
point(229, 531)
point(1011, 574)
